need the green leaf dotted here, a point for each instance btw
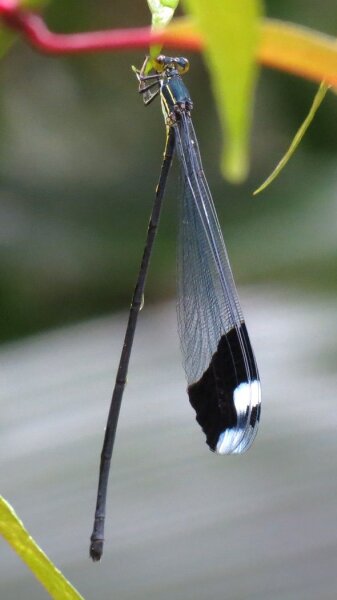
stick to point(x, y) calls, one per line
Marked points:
point(162, 12)
point(231, 32)
point(318, 99)
point(14, 532)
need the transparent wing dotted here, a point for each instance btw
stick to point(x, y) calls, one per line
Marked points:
point(223, 381)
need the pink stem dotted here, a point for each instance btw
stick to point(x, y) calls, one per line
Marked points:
point(33, 27)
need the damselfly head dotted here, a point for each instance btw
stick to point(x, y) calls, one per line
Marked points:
point(162, 63)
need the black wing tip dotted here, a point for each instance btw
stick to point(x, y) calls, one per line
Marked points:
point(221, 399)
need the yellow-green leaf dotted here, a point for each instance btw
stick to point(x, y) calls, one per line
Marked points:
point(230, 30)
point(162, 12)
point(14, 532)
point(282, 45)
point(299, 50)
point(318, 99)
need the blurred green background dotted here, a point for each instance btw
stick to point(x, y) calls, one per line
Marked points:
point(80, 158)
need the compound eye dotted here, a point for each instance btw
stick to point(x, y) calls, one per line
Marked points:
point(182, 65)
point(160, 63)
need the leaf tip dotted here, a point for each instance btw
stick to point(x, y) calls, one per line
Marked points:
point(259, 190)
point(234, 165)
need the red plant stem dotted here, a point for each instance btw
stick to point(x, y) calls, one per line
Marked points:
point(34, 29)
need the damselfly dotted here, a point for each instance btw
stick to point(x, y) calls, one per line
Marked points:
point(223, 381)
